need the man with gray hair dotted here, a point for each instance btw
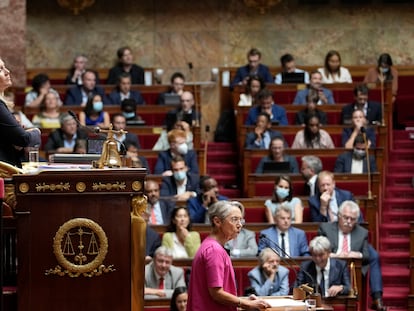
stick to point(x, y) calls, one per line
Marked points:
point(311, 167)
point(161, 277)
point(269, 278)
point(350, 240)
point(329, 276)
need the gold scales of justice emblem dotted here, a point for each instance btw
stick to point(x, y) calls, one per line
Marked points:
point(80, 246)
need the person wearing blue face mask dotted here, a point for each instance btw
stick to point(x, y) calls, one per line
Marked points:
point(182, 185)
point(283, 194)
point(93, 114)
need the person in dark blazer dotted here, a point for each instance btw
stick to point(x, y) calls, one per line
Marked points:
point(207, 196)
point(269, 278)
point(253, 67)
point(263, 133)
point(357, 156)
point(123, 90)
point(315, 88)
point(324, 207)
point(125, 65)
point(311, 166)
point(178, 147)
point(359, 127)
point(277, 154)
point(78, 95)
point(372, 110)
point(118, 121)
point(185, 112)
point(347, 228)
point(160, 209)
point(296, 243)
point(181, 178)
point(328, 276)
point(266, 104)
point(311, 104)
point(66, 139)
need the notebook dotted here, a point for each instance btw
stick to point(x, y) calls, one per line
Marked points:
point(293, 77)
point(276, 167)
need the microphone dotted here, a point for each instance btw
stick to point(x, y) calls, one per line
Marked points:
point(285, 258)
point(363, 130)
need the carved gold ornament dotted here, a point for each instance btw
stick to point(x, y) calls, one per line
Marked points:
point(80, 246)
point(136, 185)
point(80, 186)
point(108, 186)
point(24, 187)
point(53, 187)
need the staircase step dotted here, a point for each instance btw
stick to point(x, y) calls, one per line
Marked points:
point(222, 168)
point(398, 216)
point(227, 181)
point(401, 155)
point(395, 258)
point(400, 191)
point(400, 179)
point(398, 204)
point(396, 297)
point(225, 156)
point(213, 146)
point(394, 230)
point(395, 244)
point(401, 167)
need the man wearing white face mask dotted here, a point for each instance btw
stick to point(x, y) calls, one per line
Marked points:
point(354, 161)
point(178, 147)
point(182, 185)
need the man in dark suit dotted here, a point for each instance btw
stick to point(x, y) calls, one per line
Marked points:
point(183, 184)
point(178, 148)
point(160, 209)
point(283, 235)
point(78, 95)
point(330, 276)
point(185, 112)
point(276, 112)
point(349, 239)
point(209, 194)
point(254, 67)
point(119, 123)
point(310, 168)
point(355, 161)
point(123, 91)
point(126, 65)
point(372, 110)
point(68, 138)
point(324, 207)
point(263, 133)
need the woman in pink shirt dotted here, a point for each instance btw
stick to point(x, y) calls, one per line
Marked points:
point(212, 282)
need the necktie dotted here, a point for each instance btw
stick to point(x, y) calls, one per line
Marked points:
point(345, 244)
point(322, 283)
point(161, 284)
point(282, 235)
point(153, 218)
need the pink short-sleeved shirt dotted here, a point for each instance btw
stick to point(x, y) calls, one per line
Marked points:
point(211, 267)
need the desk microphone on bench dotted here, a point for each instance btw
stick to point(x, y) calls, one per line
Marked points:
point(286, 258)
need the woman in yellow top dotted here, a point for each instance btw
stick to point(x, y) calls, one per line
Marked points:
point(49, 115)
point(183, 242)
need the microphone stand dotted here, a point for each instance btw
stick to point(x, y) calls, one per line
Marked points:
point(284, 258)
point(364, 134)
point(381, 77)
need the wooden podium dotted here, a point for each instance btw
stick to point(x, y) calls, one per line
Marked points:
point(74, 239)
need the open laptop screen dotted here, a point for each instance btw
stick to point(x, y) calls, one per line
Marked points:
point(276, 167)
point(293, 77)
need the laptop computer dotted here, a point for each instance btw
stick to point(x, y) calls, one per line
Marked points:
point(276, 167)
point(172, 99)
point(94, 145)
point(293, 77)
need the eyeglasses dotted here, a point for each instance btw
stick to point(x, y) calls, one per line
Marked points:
point(348, 218)
point(237, 220)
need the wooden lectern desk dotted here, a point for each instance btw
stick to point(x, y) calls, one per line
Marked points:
point(74, 239)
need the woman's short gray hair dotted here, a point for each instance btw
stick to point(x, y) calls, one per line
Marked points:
point(320, 244)
point(222, 209)
point(265, 254)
